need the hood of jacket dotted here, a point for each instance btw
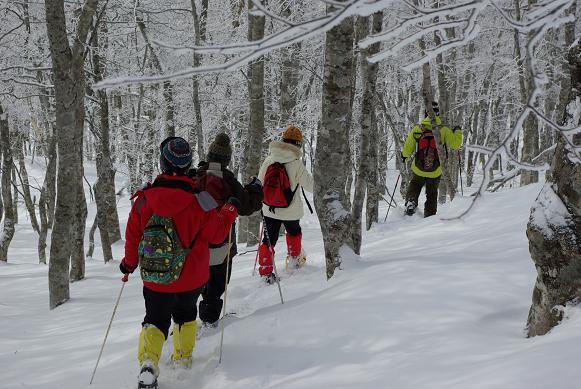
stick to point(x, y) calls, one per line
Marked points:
point(284, 152)
point(167, 202)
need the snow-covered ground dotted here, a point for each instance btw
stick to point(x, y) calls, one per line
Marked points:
point(430, 304)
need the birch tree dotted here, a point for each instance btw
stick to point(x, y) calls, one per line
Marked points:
point(332, 155)
point(69, 87)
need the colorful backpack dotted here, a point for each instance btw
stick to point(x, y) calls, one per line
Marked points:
point(427, 158)
point(276, 189)
point(160, 252)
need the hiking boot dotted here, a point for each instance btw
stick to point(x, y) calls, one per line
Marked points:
point(410, 208)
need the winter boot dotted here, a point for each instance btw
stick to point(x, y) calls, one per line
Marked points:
point(265, 258)
point(410, 207)
point(184, 340)
point(151, 341)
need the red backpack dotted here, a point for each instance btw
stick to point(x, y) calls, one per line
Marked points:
point(277, 190)
point(427, 158)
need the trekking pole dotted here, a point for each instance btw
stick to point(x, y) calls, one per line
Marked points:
point(124, 279)
point(259, 242)
point(460, 172)
point(392, 194)
point(225, 293)
point(273, 261)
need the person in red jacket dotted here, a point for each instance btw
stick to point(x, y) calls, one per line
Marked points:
point(197, 224)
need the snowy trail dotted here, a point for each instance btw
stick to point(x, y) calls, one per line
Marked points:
point(431, 304)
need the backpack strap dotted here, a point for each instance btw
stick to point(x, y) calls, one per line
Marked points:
point(307, 201)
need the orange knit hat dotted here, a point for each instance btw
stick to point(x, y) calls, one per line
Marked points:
point(292, 133)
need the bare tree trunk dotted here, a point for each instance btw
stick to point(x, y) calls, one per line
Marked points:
point(9, 224)
point(554, 241)
point(105, 196)
point(50, 181)
point(24, 183)
point(102, 223)
point(367, 124)
point(333, 144)
point(253, 153)
point(42, 210)
point(196, 134)
point(289, 76)
point(15, 194)
point(530, 126)
point(167, 85)
point(78, 249)
point(69, 88)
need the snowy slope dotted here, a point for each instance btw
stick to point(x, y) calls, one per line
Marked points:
point(431, 304)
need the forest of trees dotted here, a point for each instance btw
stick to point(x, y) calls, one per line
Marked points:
point(102, 82)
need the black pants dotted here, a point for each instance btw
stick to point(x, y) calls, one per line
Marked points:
point(160, 308)
point(415, 188)
point(292, 227)
point(211, 303)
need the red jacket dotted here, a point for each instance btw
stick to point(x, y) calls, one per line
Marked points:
point(189, 219)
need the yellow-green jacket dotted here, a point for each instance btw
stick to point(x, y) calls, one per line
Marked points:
point(449, 138)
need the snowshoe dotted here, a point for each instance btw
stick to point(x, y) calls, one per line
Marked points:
point(147, 378)
point(410, 208)
point(293, 263)
point(270, 278)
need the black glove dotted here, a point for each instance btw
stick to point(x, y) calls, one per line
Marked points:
point(192, 173)
point(235, 202)
point(403, 158)
point(126, 269)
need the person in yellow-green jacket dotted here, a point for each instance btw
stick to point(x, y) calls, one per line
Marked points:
point(426, 166)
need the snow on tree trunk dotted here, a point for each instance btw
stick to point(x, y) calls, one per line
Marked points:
point(69, 93)
point(253, 152)
point(332, 156)
point(367, 157)
point(554, 229)
point(8, 228)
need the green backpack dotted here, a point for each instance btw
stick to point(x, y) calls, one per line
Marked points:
point(161, 253)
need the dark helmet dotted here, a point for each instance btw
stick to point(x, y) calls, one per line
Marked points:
point(175, 155)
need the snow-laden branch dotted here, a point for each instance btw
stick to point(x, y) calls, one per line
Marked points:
point(250, 51)
point(271, 14)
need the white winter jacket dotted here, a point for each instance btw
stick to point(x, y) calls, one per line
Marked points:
point(290, 156)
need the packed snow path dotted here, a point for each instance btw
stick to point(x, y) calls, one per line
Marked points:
point(431, 304)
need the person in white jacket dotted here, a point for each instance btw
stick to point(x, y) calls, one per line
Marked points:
point(287, 152)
